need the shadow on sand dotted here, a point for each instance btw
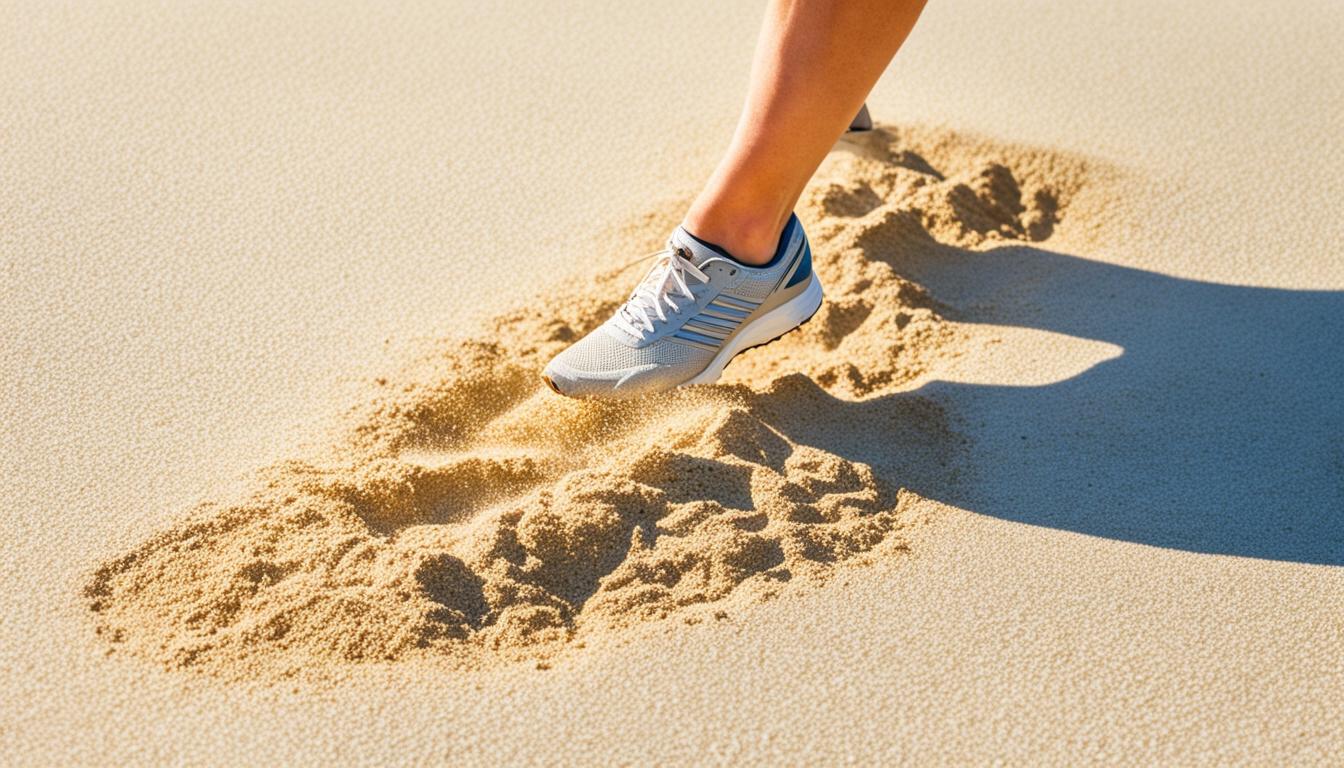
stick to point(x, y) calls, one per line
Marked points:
point(1219, 429)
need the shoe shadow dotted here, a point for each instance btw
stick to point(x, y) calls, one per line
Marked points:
point(1219, 429)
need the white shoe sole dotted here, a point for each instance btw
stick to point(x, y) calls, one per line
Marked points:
point(765, 329)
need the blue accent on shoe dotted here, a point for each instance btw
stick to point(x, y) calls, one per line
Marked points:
point(804, 266)
point(693, 336)
point(783, 245)
point(784, 238)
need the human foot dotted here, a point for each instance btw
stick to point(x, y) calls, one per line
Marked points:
point(692, 313)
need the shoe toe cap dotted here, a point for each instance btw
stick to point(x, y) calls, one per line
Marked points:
point(566, 379)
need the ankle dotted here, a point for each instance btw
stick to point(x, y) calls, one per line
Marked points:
point(750, 237)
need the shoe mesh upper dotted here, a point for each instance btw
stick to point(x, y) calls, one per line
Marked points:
point(757, 286)
point(598, 351)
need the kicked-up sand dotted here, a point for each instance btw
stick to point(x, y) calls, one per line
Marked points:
point(1055, 475)
point(465, 512)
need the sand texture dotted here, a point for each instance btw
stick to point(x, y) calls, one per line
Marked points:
point(1055, 476)
point(463, 511)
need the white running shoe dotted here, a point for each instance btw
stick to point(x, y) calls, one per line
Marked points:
point(692, 313)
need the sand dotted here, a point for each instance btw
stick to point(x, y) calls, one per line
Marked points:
point(464, 511)
point(1054, 476)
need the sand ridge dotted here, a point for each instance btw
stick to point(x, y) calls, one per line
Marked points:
point(463, 511)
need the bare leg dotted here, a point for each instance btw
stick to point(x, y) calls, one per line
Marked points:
point(816, 61)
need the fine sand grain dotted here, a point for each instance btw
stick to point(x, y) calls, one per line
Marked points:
point(1055, 478)
point(464, 512)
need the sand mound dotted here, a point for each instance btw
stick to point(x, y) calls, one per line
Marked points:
point(465, 512)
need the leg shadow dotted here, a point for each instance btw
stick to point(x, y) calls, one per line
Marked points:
point(1219, 429)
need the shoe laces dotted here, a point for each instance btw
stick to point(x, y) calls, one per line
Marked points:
point(659, 291)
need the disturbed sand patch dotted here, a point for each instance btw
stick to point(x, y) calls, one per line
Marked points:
point(464, 511)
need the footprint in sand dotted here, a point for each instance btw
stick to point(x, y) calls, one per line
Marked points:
point(466, 512)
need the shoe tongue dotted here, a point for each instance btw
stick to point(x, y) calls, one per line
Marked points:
point(698, 250)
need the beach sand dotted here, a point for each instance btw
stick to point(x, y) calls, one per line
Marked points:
point(1055, 475)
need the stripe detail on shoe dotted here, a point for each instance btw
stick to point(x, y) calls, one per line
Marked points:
point(707, 330)
point(705, 318)
point(696, 340)
point(735, 302)
point(724, 313)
